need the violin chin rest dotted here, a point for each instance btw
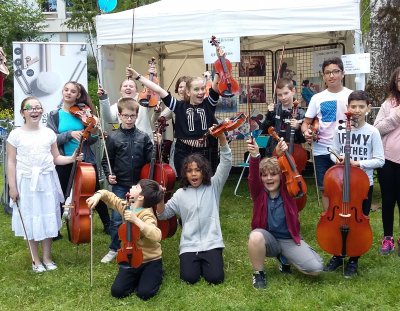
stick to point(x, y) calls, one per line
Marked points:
point(226, 93)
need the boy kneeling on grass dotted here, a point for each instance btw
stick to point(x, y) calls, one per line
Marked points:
point(275, 224)
point(146, 279)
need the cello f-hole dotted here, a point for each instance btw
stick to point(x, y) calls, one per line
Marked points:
point(332, 216)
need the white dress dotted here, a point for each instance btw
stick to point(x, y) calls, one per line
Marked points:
point(38, 184)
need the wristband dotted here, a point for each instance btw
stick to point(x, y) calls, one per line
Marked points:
point(138, 77)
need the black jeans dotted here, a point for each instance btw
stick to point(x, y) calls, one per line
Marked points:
point(209, 264)
point(145, 280)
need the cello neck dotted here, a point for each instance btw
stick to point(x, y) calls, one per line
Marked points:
point(346, 174)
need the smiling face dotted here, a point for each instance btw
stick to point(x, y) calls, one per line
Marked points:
point(271, 182)
point(196, 91)
point(128, 89)
point(31, 111)
point(70, 94)
point(359, 109)
point(194, 175)
point(333, 77)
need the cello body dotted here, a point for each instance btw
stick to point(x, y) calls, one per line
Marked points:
point(165, 176)
point(329, 234)
point(84, 187)
point(343, 230)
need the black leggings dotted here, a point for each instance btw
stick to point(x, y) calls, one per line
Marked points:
point(209, 264)
point(64, 171)
point(389, 180)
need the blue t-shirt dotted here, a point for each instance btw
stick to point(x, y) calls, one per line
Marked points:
point(276, 219)
point(68, 122)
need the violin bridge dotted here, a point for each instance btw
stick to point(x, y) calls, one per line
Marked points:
point(344, 215)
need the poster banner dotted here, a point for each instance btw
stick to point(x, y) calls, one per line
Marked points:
point(356, 63)
point(42, 68)
point(318, 57)
point(231, 47)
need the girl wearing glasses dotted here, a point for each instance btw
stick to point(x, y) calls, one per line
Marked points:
point(35, 190)
point(69, 129)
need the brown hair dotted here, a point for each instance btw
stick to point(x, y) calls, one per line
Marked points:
point(84, 97)
point(128, 103)
point(392, 87)
point(189, 82)
point(181, 79)
point(332, 61)
point(151, 192)
point(281, 83)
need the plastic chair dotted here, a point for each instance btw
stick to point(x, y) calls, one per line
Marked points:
point(261, 141)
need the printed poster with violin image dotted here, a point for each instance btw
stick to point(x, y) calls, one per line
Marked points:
point(42, 69)
point(252, 66)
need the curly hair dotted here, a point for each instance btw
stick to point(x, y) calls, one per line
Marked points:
point(202, 163)
point(270, 165)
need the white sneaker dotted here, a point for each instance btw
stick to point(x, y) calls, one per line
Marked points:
point(110, 256)
point(38, 268)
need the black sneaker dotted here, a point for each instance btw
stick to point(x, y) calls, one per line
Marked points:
point(283, 264)
point(334, 263)
point(259, 280)
point(351, 269)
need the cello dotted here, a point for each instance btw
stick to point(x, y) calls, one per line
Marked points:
point(227, 86)
point(295, 184)
point(82, 182)
point(129, 234)
point(165, 176)
point(343, 230)
point(147, 97)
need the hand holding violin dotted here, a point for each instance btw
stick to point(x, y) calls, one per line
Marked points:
point(294, 124)
point(281, 147)
point(253, 148)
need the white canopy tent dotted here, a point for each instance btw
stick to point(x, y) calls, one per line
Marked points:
point(171, 30)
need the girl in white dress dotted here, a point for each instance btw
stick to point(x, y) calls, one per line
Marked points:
point(33, 183)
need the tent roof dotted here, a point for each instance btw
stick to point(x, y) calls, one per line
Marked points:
point(174, 20)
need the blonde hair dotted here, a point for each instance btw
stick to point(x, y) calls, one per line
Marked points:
point(269, 165)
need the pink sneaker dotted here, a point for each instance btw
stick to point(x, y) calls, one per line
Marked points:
point(387, 245)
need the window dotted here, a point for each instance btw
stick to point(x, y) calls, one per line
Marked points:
point(49, 6)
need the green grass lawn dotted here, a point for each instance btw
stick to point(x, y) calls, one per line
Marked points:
point(68, 288)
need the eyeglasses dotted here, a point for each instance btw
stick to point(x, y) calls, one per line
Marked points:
point(32, 109)
point(335, 72)
point(128, 116)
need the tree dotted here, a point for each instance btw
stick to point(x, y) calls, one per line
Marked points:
point(20, 21)
point(83, 12)
point(383, 45)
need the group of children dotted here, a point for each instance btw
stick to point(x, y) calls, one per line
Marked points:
point(32, 153)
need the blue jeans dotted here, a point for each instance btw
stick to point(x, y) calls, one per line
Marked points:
point(116, 218)
point(322, 164)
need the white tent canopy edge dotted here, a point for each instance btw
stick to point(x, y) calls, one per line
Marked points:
point(170, 30)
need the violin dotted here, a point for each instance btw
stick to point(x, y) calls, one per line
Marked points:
point(82, 182)
point(227, 86)
point(147, 97)
point(129, 234)
point(315, 129)
point(295, 184)
point(343, 230)
point(165, 176)
point(228, 125)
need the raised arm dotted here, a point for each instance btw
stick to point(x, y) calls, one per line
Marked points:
point(132, 73)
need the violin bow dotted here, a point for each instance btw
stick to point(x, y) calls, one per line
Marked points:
point(26, 234)
point(248, 97)
point(278, 72)
point(179, 69)
point(104, 144)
